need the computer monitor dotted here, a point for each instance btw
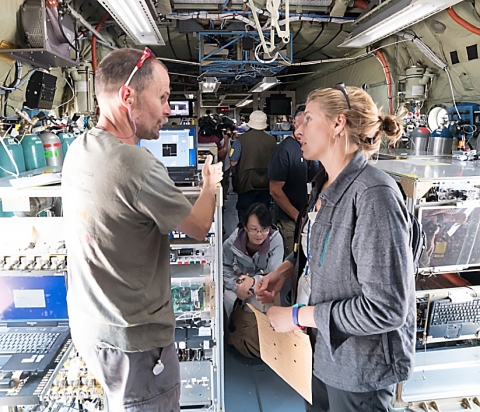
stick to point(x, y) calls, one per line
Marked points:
point(176, 148)
point(181, 108)
point(278, 104)
point(452, 237)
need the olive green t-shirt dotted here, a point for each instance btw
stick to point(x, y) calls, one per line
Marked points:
point(119, 207)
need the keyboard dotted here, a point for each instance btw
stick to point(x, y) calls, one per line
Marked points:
point(42, 179)
point(12, 343)
point(451, 320)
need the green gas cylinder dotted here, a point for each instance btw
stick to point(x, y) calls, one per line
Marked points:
point(16, 153)
point(4, 214)
point(33, 152)
point(67, 139)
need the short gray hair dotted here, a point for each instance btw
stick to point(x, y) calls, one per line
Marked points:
point(113, 71)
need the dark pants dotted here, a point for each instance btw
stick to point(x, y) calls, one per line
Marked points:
point(128, 378)
point(328, 399)
point(248, 198)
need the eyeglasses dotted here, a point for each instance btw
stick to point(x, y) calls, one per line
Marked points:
point(341, 86)
point(254, 231)
point(147, 53)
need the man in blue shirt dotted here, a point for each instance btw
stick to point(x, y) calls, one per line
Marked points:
point(288, 175)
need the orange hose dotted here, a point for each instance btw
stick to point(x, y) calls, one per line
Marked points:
point(465, 24)
point(94, 42)
point(388, 77)
point(360, 4)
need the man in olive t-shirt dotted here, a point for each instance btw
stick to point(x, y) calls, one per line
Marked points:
point(119, 207)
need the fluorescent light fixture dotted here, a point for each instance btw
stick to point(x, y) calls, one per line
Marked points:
point(391, 17)
point(190, 96)
point(265, 84)
point(245, 102)
point(209, 85)
point(136, 19)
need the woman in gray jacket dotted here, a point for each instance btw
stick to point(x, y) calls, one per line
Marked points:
point(354, 288)
point(252, 251)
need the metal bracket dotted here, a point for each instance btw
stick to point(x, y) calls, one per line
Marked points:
point(466, 403)
point(433, 406)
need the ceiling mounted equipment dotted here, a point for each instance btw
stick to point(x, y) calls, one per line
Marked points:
point(136, 18)
point(265, 84)
point(390, 17)
point(209, 85)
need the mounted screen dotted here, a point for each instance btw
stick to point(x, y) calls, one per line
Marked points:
point(181, 108)
point(278, 105)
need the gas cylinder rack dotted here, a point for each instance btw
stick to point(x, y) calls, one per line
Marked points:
point(444, 193)
point(37, 243)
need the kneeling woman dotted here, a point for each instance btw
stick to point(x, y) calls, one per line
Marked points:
point(252, 251)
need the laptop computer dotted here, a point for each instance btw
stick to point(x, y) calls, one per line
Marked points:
point(176, 148)
point(33, 320)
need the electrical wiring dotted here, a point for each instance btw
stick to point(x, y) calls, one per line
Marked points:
point(331, 40)
point(59, 19)
point(298, 31)
point(17, 172)
point(453, 94)
point(189, 48)
point(17, 83)
point(68, 101)
point(340, 59)
point(314, 40)
point(22, 82)
point(170, 42)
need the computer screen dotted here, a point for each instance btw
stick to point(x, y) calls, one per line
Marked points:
point(33, 298)
point(181, 108)
point(278, 105)
point(176, 147)
point(452, 237)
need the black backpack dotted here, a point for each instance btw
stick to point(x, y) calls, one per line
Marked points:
point(417, 240)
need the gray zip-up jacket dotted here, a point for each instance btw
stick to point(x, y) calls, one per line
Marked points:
point(362, 279)
point(237, 261)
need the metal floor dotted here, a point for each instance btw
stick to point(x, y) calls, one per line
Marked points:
point(250, 385)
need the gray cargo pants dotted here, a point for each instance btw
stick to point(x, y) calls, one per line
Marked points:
point(128, 379)
point(329, 399)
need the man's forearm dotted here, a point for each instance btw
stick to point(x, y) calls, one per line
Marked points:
point(282, 201)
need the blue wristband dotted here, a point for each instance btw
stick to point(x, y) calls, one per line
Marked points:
point(295, 313)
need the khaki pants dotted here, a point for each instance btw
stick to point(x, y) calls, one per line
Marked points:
point(287, 230)
point(243, 332)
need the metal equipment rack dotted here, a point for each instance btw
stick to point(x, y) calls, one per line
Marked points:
point(446, 377)
point(202, 380)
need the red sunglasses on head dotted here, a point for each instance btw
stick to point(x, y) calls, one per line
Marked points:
point(147, 53)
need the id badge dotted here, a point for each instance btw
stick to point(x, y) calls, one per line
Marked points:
point(304, 290)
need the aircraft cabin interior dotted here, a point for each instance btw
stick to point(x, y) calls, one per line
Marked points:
point(228, 62)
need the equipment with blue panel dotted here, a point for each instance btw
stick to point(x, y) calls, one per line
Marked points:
point(469, 120)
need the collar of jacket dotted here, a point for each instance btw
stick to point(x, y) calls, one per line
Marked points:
point(241, 242)
point(347, 176)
